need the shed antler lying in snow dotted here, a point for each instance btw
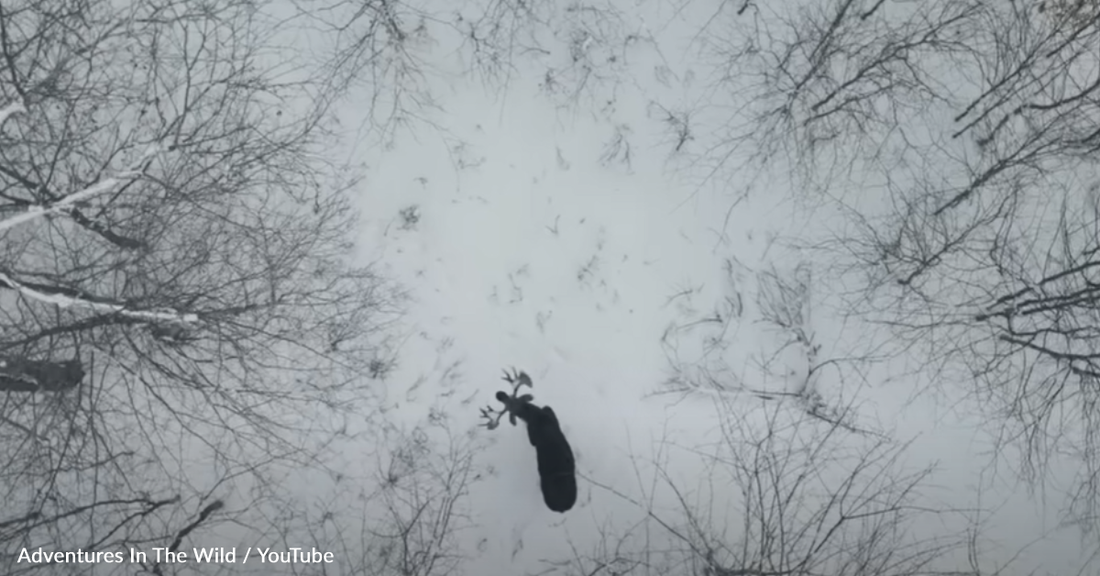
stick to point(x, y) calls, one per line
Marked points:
point(517, 379)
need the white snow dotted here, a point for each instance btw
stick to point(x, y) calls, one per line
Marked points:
point(599, 282)
point(63, 301)
point(11, 109)
point(105, 185)
point(607, 282)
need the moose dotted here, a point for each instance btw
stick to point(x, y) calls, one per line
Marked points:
point(557, 469)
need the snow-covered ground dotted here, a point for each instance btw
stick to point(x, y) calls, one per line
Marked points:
point(658, 301)
point(519, 248)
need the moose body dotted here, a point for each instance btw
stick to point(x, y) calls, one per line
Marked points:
point(557, 469)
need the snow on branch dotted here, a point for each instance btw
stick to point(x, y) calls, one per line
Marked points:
point(10, 110)
point(67, 202)
point(65, 301)
point(20, 374)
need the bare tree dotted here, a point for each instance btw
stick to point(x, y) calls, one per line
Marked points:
point(804, 496)
point(978, 126)
point(580, 52)
point(423, 490)
point(178, 314)
point(829, 81)
point(407, 518)
point(789, 365)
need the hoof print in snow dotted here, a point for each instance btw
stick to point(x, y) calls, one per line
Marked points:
point(410, 216)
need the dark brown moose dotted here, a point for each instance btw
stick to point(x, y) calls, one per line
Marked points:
point(557, 469)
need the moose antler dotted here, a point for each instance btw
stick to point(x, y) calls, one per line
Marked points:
point(517, 379)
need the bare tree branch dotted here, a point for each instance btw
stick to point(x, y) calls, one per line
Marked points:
point(175, 265)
